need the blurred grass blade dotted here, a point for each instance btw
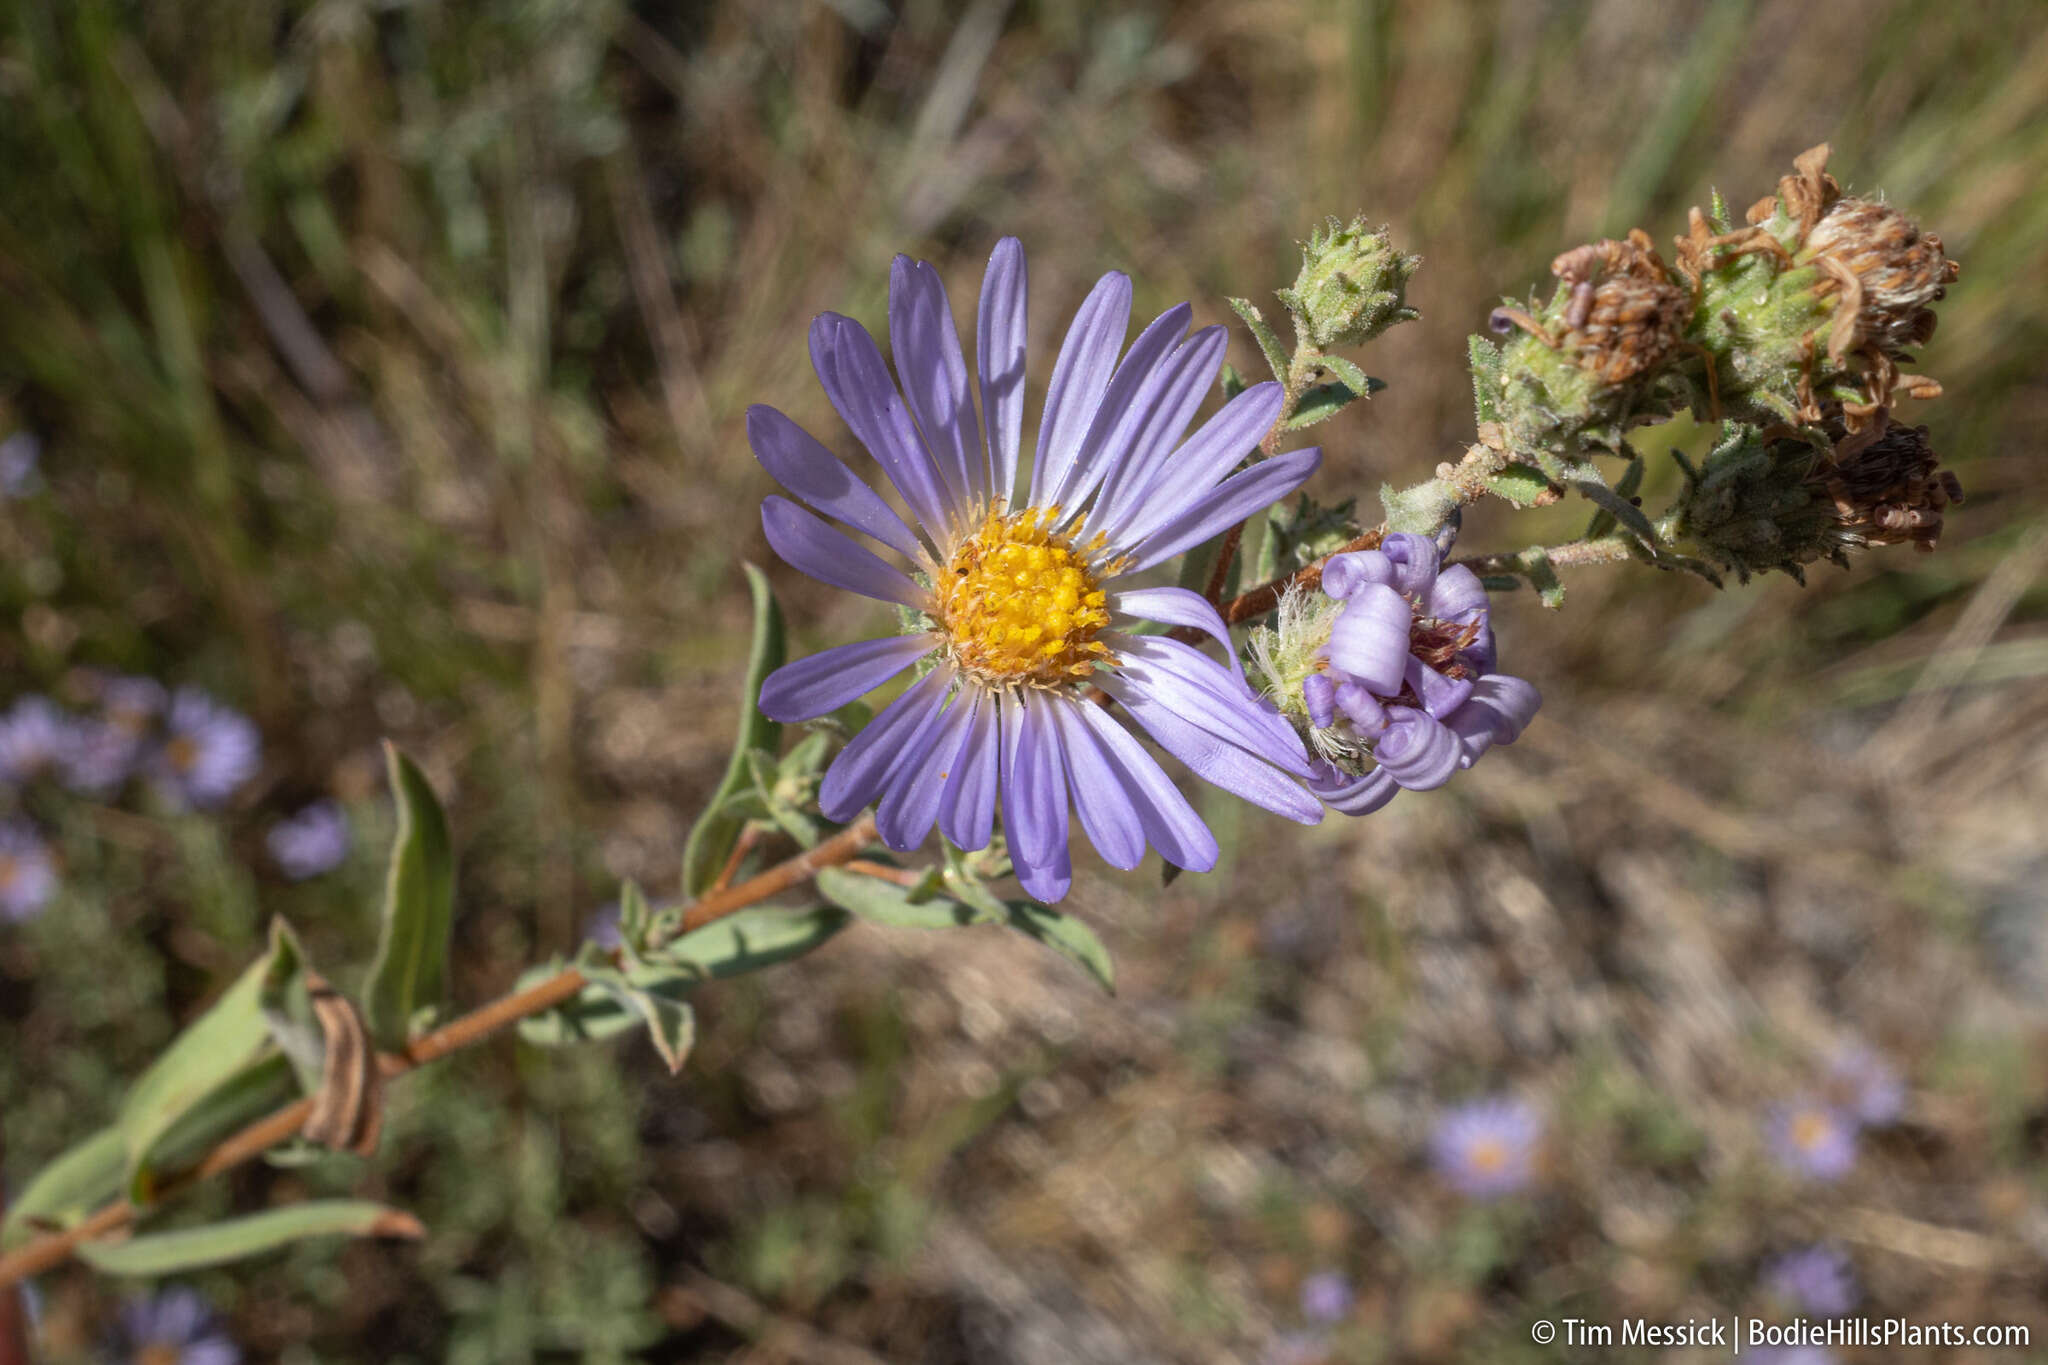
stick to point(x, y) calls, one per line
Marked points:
point(223, 1041)
point(171, 1253)
point(712, 837)
point(77, 1181)
point(419, 908)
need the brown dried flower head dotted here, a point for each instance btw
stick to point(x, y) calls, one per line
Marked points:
point(1625, 315)
point(1887, 486)
point(1889, 274)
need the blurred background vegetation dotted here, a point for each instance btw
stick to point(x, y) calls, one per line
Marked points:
point(390, 362)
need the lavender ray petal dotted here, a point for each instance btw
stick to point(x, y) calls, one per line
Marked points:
point(1202, 460)
point(1230, 502)
point(1179, 607)
point(1367, 716)
point(934, 373)
point(911, 805)
point(810, 546)
point(1440, 695)
point(1087, 360)
point(826, 681)
point(1170, 823)
point(850, 366)
point(1511, 703)
point(1152, 426)
point(1456, 594)
point(1414, 559)
point(1369, 639)
point(1216, 701)
point(821, 482)
point(999, 342)
point(864, 766)
point(1108, 817)
point(1049, 879)
point(1034, 782)
point(1319, 695)
point(1417, 750)
point(1216, 761)
point(1355, 795)
point(967, 815)
point(1108, 435)
point(1345, 574)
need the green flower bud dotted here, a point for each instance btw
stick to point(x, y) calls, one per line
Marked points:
point(1351, 286)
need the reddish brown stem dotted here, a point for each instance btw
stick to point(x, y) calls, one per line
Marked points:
point(14, 1343)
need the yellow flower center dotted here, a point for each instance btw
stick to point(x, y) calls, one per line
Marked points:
point(1488, 1155)
point(10, 868)
point(181, 753)
point(1810, 1130)
point(1019, 603)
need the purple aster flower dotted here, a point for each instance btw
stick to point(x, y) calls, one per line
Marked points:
point(310, 843)
point(1391, 667)
point(1487, 1148)
point(1326, 1298)
point(1815, 1279)
point(19, 455)
point(27, 876)
point(35, 738)
point(1813, 1138)
point(1019, 597)
point(173, 1328)
point(104, 750)
point(1867, 1086)
point(208, 750)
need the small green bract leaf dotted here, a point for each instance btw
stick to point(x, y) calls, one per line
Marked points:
point(1269, 343)
point(1543, 577)
point(419, 909)
point(171, 1253)
point(1320, 404)
point(1520, 485)
point(1355, 379)
point(712, 837)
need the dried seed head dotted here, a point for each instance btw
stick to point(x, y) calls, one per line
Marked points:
point(1625, 316)
point(1888, 272)
point(1886, 486)
point(1804, 195)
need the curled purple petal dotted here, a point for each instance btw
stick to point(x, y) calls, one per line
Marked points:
point(1417, 749)
point(1440, 695)
point(1367, 716)
point(1369, 639)
point(1414, 559)
point(1345, 574)
point(1349, 795)
point(1456, 595)
point(1319, 695)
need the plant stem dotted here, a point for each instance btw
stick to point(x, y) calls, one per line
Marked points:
point(1605, 550)
point(53, 1248)
point(14, 1344)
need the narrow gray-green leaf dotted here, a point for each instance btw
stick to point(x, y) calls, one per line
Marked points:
point(752, 939)
point(1521, 485)
point(419, 909)
point(887, 903)
point(712, 837)
point(1269, 344)
point(1543, 577)
point(77, 1181)
point(1355, 379)
point(1065, 935)
point(171, 1253)
point(1618, 507)
point(657, 1003)
point(1484, 358)
point(257, 1089)
point(218, 1044)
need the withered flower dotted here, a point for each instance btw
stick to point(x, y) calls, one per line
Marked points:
point(1625, 316)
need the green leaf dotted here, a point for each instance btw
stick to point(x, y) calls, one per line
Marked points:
point(1269, 344)
point(1233, 382)
point(593, 1014)
point(1484, 358)
point(1065, 935)
point(1521, 485)
point(258, 1089)
point(287, 1007)
point(887, 903)
point(1500, 582)
point(76, 1182)
point(712, 837)
point(1631, 479)
point(635, 915)
point(751, 939)
point(1543, 577)
point(419, 908)
point(1320, 404)
point(1355, 379)
point(172, 1253)
point(1618, 507)
point(653, 998)
point(220, 1043)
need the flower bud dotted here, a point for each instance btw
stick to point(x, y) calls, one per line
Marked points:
point(1352, 286)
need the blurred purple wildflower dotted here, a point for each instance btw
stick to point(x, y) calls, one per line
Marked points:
point(208, 750)
point(1867, 1086)
point(1297, 1348)
point(1021, 599)
point(1789, 1355)
point(1815, 1279)
point(602, 928)
point(35, 738)
point(1407, 694)
point(311, 842)
point(27, 875)
point(1326, 1298)
point(19, 455)
point(174, 1327)
point(1813, 1138)
point(1487, 1148)
point(105, 749)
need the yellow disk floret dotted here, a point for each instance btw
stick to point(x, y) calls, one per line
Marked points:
point(1020, 604)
